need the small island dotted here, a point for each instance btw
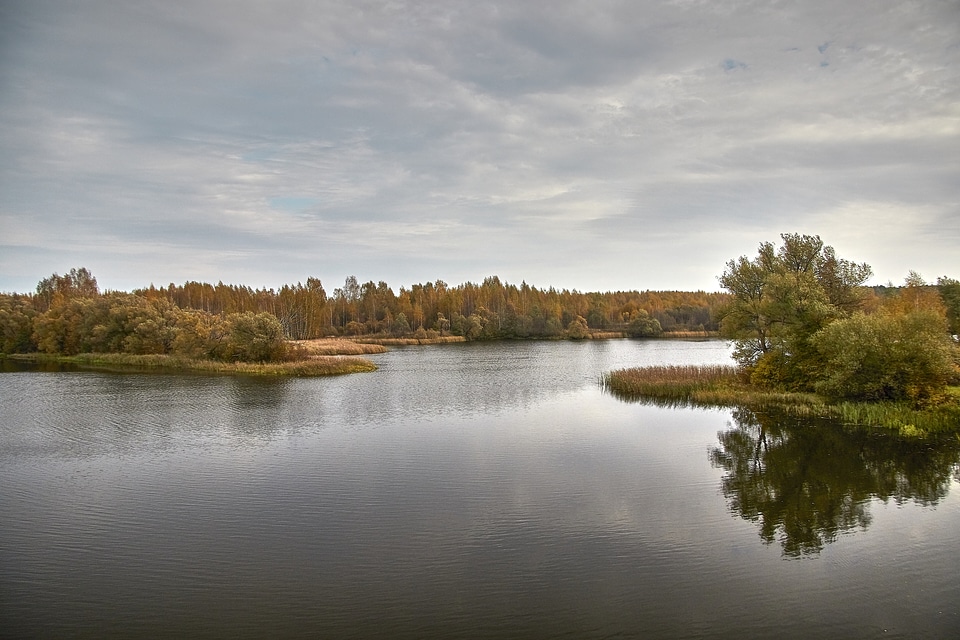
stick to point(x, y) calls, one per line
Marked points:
point(812, 340)
point(69, 322)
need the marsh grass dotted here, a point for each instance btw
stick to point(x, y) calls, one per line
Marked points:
point(675, 383)
point(713, 386)
point(120, 362)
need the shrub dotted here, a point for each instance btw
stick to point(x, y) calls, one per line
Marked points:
point(254, 337)
point(886, 357)
point(577, 329)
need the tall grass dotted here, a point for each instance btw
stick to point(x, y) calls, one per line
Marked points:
point(313, 366)
point(334, 347)
point(670, 382)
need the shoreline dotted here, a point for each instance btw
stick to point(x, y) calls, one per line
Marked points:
point(126, 363)
point(721, 386)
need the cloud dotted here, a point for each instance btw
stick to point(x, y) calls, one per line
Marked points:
point(606, 145)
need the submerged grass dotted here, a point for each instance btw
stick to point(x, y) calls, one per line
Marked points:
point(312, 366)
point(722, 386)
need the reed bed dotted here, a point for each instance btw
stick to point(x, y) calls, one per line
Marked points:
point(121, 362)
point(694, 335)
point(722, 386)
point(678, 383)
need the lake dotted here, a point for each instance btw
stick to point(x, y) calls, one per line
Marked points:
point(461, 491)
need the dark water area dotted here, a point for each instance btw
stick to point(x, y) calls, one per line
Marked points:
point(469, 491)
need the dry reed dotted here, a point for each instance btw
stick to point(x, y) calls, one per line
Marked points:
point(410, 341)
point(334, 347)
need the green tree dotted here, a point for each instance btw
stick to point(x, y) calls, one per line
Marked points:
point(16, 324)
point(780, 299)
point(400, 325)
point(950, 294)
point(643, 326)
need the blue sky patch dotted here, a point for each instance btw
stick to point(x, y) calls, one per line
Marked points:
point(292, 203)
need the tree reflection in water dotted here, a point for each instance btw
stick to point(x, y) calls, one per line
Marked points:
point(808, 481)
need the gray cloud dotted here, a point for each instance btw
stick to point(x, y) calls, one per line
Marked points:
point(595, 145)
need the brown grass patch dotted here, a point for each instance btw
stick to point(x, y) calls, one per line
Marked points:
point(410, 341)
point(334, 347)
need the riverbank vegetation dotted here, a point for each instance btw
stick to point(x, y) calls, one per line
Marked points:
point(810, 337)
point(123, 362)
point(712, 386)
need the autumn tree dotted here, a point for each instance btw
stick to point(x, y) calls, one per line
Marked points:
point(78, 283)
point(578, 329)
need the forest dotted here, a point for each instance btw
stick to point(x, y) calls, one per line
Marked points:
point(68, 314)
point(490, 310)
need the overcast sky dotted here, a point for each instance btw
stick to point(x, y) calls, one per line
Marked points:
point(595, 145)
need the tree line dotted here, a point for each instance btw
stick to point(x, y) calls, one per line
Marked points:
point(492, 309)
point(68, 314)
point(802, 320)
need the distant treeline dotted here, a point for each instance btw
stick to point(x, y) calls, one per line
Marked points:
point(490, 310)
point(68, 314)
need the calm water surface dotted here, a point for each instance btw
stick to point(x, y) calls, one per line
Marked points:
point(480, 491)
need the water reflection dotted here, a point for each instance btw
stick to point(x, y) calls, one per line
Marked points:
point(807, 482)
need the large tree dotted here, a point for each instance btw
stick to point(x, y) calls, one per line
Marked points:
point(780, 299)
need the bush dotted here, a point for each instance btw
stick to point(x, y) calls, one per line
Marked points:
point(254, 337)
point(886, 357)
point(643, 326)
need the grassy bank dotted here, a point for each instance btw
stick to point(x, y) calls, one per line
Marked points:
point(720, 386)
point(312, 366)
